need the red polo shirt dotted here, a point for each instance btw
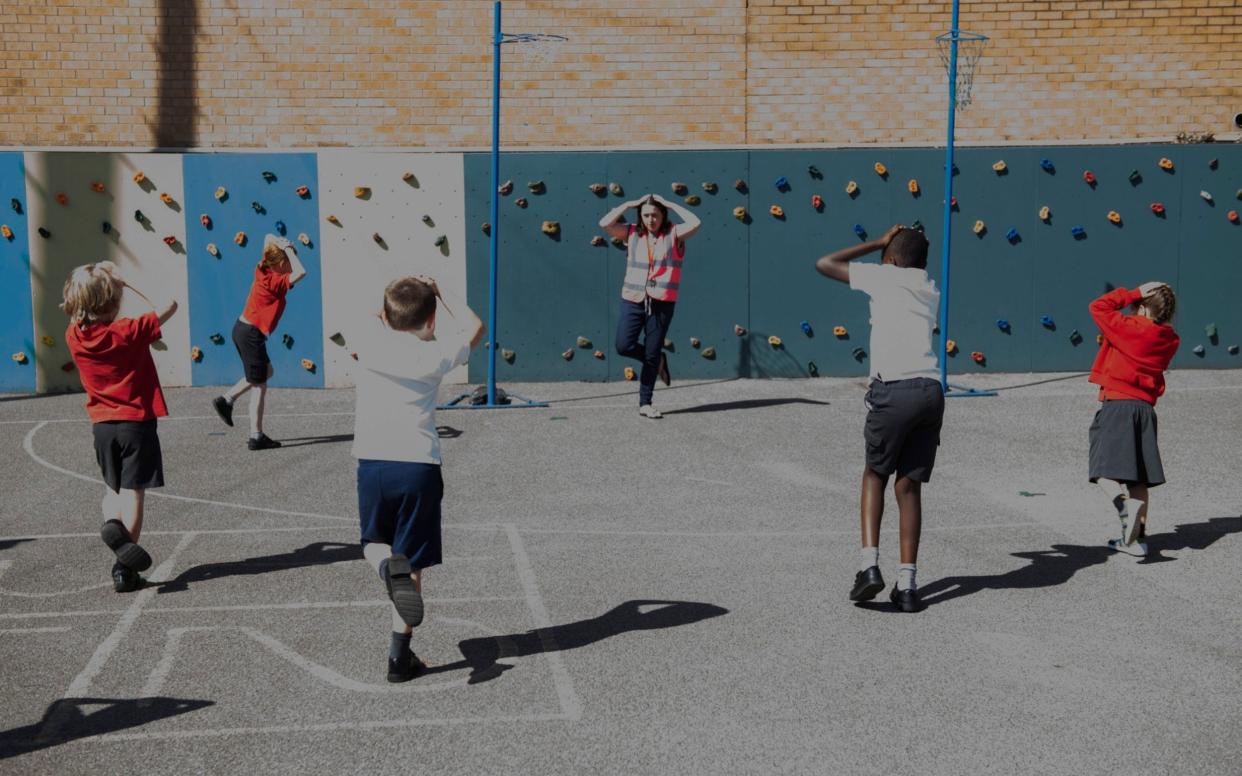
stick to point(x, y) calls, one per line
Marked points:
point(1135, 351)
point(266, 302)
point(116, 369)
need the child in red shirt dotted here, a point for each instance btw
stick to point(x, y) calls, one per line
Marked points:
point(277, 272)
point(1124, 456)
point(123, 401)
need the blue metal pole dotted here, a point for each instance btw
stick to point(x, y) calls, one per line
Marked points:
point(491, 317)
point(948, 207)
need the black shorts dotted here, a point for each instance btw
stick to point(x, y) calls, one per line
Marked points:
point(902, 430)
point(399, 505)
point(129, 454)
point(1123, 444)
point(252, 347)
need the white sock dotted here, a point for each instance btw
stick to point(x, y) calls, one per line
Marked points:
point(905, 576)
point(869, 557)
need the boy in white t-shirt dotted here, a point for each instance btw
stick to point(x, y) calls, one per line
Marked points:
point(905, 400)
point(401, 362)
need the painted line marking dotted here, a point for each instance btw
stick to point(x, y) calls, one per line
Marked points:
point(368, 603)
point(570, 704)
point(60, 629)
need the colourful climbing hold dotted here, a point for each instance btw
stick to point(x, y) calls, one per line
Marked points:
point(978, 357)
point(950, 347)
point(378, 238)
point(19, 357)
point(777, 211)
point(1075, 338)
point(859, 354)
point(680, 189)
point(409, 177)
point(1157, 208)
point(140, 216)
point(221, 194)
point(1213, 164)
point(1047, 322)
point(302, 191)
point(668, 344)
point(6, 232)
point(1088, 177)
point(213, 250)
point(1199, 350)
point(979, 227)
point(256, 207)
point(568, 355)
point(1002, 324)
point(774, 341)
point(913, 186)
point(598, 241)
point(583, 342)
point(813, 171)
point(308, 365)
point(166, 198)
point(505, 188)
point(196, 353)
point(739, 330)
point(280, 228)
point(68, 366)
point(170, 240)
point(1047, 165)
point(616, 189)
point(1166, 164)
point(551, 227)
point(1114, 217)
point(1232, 215)
point(695, 342)
point(48, 339)
point(217, 338)
point(1210, 330)
point(880, 169)
point(806, 328)
point(629, 373)
point(817, 202)
point(597, 189)
point(860, 231)
point(98, 187)
point(1206, 196)
point(839, 331)
point(508, 355)
point(708, 353)
point(953, 202)
point(535, 187)
point(205, 220)
point(782, 184)
point(520, 202)
point(332, 219)
point(1099, 339)
point(999, 166)
point(1078, 232)
point(1045, 213)
point(1233, 350)
point(1012, 235)
point(812, 369)
point(739, 213)
point(44, 233)
point(709, 187)
point(618, 242)
point(240, 238)
point(62, 198)
point(598, 354)
point(851, 188)
point(1136, 177)
point(140, 177)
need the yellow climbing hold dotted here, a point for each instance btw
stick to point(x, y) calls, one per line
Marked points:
point(19, 358)
point(979, 227)
point(1045, 213)
point(851, 188)
point(950, 346)
point(1114, 217)
point(774, 341)
point(48, 339)
point(1000, 166)
point(739, 213)
point(913, 186)
point(361, 191)
point(308, 365)
point(304, 238)
point(196, 353)
point(221, 193)
point(213, 250)
point(880, 169)
point(1166, 163)
point(839, 331)
point(629, 373)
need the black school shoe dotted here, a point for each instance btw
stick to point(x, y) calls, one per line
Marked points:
point(128, 554)
point(906, 600)
point(867, 584)
point(665, 377)
point(405, 668)
point(263, 442)
point(125, 580)
point(223, 409)
point(401, 591)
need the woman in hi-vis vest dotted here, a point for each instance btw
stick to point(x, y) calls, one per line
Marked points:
point(655, 248)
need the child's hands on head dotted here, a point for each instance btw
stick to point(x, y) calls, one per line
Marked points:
point(1149, 288)
point(888, 236)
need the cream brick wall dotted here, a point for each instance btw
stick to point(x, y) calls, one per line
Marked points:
point(417, 73)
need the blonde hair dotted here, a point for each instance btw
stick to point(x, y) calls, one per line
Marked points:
point(273, 255)
point(92, 293)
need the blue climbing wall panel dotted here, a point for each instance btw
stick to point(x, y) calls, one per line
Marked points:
point(760, 273)
point(219, 286)
point(16, 314)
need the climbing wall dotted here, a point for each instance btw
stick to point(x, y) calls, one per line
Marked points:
point(90, 208)
point(384, 216)
point(18, 350)
point(244, 197)
point(1021, 277)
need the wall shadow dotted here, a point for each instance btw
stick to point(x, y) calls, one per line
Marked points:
point(175, 124)
point(69, 719)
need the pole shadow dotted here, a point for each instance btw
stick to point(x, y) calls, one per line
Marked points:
point(316, 440)
point(313, 554)
point(68, 720)
point(8, 544)
point(483, 655)
point(743, 404)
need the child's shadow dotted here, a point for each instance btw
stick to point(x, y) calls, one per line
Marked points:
point(483, 655)
point(313, 554)
point(1059, 564)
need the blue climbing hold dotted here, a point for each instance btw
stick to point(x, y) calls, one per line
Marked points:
point(1078, 232)
point(1047, 165)
point(1047, 322)
point(1002, 324)
point(806, 328)
point(1012, 235)
point(781, 183)
point(858, 230)
point(280, 228)
point(16, 204)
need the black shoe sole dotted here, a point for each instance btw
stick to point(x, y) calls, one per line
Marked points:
point(270, 444)
point(128, 554)
point(417, 667)
point(910, 607)
point(225, 415)
point(867, 592)
point(405, 598)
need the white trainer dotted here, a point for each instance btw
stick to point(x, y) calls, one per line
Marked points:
point(647, 411)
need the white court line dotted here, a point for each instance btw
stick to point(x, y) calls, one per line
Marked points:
point(369, 603)
point(60, 629)
point(763, 534)
point(570, 705)
point(28, 446)
point(155, 682)
point(6, 564)
point(212, 531)
point(81, 684)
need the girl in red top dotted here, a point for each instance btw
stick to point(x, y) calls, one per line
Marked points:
point(277, 272)
point(123, 400)
point(1124, 458)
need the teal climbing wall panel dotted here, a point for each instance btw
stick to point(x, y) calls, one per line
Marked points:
point(16, 315)
point(760, 273)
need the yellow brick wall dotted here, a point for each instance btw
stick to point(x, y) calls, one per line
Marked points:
point(417, 73)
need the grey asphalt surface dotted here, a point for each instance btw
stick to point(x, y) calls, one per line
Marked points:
point(627, 596)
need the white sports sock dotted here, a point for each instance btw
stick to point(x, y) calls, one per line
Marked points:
point(870, 556)
point(905, 576)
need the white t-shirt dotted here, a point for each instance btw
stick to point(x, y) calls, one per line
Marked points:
point(904, 304)
point(397, 377)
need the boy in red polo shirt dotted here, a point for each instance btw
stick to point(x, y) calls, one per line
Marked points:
point(277, 272)
point(1124, 458)
point(123, 400)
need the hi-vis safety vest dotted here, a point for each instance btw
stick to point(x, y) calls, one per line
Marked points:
point(652, 266)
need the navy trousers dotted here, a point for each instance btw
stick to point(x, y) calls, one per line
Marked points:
point(635, 320)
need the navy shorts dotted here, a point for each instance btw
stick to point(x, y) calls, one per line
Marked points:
point(399, 505)
point(129, 454)
point(902, 430)
point(252, 347)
